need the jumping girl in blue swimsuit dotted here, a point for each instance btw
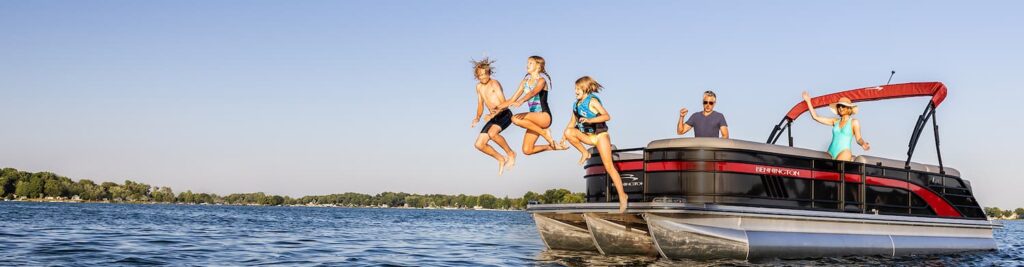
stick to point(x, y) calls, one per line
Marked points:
point(844, 128)
point(533, 91)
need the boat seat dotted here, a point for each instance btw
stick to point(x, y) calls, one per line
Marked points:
point(900, 164)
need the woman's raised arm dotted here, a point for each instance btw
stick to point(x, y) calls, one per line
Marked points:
point(814, 115)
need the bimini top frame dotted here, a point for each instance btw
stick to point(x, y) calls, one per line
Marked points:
point(936, 90)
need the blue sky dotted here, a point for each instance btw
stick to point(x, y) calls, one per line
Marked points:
point(319, 97)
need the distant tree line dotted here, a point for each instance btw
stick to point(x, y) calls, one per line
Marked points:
point(15, 184)
point(995, 212)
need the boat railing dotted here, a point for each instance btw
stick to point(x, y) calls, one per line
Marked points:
point(615, 151)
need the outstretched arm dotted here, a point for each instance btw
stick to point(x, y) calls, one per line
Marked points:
point(512, 101)
point(541, 83)
point(814, 115)
point(860, 140)
point(681, 126)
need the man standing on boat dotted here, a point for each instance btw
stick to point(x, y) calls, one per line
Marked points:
point(709, 123)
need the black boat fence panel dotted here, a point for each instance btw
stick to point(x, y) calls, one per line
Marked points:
point(730, 176)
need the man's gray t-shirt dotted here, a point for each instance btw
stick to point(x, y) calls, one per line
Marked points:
point(707, 126)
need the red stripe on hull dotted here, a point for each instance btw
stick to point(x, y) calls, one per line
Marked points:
point(826, 176)
point(888, 182)
point(622, 166)
point(765, 170)
point(677, 166)
point(733, 167)
point(938, 205)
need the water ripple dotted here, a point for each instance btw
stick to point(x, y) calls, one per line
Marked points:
point(115, 234)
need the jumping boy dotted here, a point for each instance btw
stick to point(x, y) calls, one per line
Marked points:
point(489, 92)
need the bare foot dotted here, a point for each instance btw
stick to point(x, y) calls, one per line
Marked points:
point(501, 166)
point(623, 202)
point(551, 143)
point(584, 158)
point(511, 162)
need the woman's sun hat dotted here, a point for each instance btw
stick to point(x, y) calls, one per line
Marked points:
point(845, 101)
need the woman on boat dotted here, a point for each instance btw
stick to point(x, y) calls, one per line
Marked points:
point(538, 119)
point(844, 128)
point(587, 126)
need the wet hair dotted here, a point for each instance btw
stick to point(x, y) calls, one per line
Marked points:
point(483, 64)
point(588, 85)
point(710, 93)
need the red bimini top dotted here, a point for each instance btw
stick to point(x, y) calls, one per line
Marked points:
point(936, 90)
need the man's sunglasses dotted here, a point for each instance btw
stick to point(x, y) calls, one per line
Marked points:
point(709, 102)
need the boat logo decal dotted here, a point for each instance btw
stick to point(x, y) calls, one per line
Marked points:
point(633, 180)
point(777, 171)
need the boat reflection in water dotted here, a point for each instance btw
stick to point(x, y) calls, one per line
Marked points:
point(709, 198)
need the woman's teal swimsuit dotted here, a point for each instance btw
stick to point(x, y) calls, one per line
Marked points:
point(842, 138)
point(539, 102)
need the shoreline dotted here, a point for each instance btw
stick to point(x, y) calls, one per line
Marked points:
point(39, 200)
point(50, 187)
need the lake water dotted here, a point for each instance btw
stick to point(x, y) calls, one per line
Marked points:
point(126, 234)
